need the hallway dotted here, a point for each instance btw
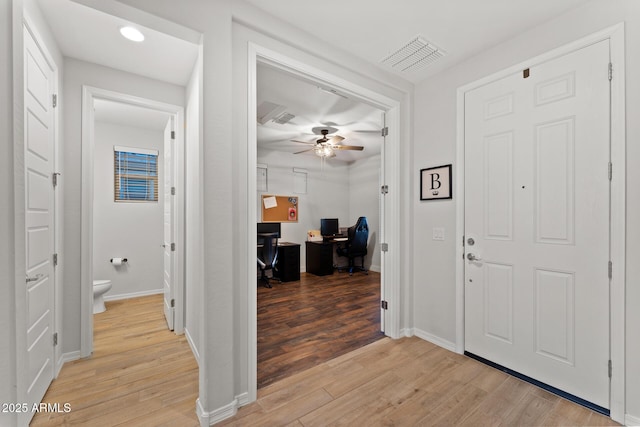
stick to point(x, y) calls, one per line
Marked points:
point(140, 373)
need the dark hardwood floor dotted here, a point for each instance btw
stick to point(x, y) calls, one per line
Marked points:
point(305, 323)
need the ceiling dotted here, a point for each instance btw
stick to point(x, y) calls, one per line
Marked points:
point(90, 35)
point(358, 123)
point(129, 115)
point(373, 29)
point(365, 28)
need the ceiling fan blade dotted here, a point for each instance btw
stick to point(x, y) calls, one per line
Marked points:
point(303, 151)
point(303, 142)
point(336, 139)
point(348, 147)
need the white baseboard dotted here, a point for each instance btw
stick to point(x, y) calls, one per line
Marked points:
point(435, 340)
point(375, 268)
point(133, 295)
point(66, 357)
point(630, 420)
point(194, 349)
point(406, 332)
point(242, 399)
point(217, 415)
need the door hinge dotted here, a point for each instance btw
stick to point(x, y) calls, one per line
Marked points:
point(384, 189)
point(54, 178)
point(55, 259)
point(54, 100)
point(384, 131)
point(55, 339)
point(610, 171)
point(173, 247)
point(384, 305)
point(610, 269)
point(173, 134)
point(610, 71)
point(384, 247)
point(173, 191)
point(173, 302)
point(610, 368)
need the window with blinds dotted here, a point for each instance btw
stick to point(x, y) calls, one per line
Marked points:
point(135, 175)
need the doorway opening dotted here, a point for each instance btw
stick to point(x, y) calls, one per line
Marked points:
point(611, 40)
point(115, 126)
point(389, 227)
point(318, 311)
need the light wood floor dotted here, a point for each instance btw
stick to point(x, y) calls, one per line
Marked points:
point(140, 374)
point(408, 382)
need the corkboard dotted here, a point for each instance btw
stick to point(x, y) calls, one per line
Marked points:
point(285, 209)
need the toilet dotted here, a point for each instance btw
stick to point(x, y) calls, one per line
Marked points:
point(100, 287)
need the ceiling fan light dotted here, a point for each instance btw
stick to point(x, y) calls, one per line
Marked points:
point(323, 150)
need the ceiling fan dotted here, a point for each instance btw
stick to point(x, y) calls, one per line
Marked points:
point(326, 147)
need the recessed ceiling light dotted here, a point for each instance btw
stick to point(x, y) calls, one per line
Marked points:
point(132, 34)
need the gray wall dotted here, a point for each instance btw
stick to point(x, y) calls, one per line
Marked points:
point(435, 135)
point(193, 211)
point(327, 193)
point(79, 73)
point(122, 229)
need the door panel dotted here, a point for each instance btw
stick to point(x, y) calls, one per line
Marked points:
point(537, 206)
point(39, 223)
point(169, 255)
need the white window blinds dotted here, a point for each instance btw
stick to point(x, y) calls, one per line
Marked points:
point(135, 174)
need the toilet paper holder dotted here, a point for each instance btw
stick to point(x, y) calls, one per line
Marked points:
point(123, 260)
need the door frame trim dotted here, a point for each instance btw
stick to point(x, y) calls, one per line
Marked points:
point(89, 94)
point(615, 36)
point(390, 231)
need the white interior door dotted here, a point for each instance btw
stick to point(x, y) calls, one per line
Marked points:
point(39, 222)
point(537, 209)
point(169, 214)
point(381, 217)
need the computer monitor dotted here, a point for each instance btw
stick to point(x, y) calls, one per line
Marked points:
point(329, 227)
point(269, 227)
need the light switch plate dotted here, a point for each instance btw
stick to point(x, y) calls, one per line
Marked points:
point(438, 233)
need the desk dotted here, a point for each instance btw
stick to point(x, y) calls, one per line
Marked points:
point(319, 256)
point(288, 265)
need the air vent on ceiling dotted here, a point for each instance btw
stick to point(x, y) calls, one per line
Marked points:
point(416, 54)
point(283, 118)
point(268, 110)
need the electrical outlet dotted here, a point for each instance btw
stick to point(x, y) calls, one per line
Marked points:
point(438, 233)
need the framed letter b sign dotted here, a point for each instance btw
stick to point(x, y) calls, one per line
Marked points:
point(435, 183)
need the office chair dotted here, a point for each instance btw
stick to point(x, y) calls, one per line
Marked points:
point(269, 257)
point(356, 246)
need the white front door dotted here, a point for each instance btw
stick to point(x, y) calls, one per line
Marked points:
point(537, 220)
point(169, 245)
point(39, 223)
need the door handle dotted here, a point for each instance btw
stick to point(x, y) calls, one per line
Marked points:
point(472, 257)
point(35, 278)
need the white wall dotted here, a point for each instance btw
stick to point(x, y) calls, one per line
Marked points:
point(224, 167)
point(364, 200)
point(435, 129)
point(193, 210)
point(327, 193)
point(127, 230)
point(77, 74)
point(334, 190)
point(8, 271)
